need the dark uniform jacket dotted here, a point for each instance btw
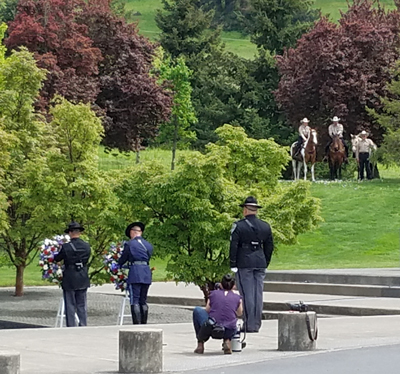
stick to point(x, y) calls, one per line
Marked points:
point(251, 243)
point(75, 276)
point(137, 252)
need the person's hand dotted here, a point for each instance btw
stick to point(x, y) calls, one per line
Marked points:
point(234, 270)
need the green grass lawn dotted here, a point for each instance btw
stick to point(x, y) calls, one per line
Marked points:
point(361, 227)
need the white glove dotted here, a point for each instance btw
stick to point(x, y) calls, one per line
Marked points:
point(234, 270)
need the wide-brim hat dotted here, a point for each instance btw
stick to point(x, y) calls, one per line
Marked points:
point(74, 226)
point(305, 120)
point(132, 225)
point(251, 201)
point(335, 119)
point(363, 133)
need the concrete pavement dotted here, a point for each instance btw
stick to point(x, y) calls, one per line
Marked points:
point(95, 349)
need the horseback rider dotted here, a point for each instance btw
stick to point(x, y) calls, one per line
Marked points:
point(304, 133)
point(336, 129)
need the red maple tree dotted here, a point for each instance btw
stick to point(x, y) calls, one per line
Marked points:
point(134, 103)
point(61, 45)
point(340, 69)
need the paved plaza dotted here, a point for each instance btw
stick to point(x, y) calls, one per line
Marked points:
point(94, 349)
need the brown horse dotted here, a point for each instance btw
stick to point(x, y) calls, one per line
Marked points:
point(336, 157)
point(308, 154)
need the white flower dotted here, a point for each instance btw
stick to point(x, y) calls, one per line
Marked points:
point(59, 272)
point(41, 262)
point(45, 267)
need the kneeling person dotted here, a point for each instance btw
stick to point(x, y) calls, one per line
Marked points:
point(224, 305)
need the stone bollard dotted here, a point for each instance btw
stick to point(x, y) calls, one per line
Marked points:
point(9, 362)
point(293, 334)
point(140, 351)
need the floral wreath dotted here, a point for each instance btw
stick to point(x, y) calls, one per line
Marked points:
point(52, 271)
point(118, 275)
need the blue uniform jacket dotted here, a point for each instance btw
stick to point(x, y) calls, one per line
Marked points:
point(134, 252)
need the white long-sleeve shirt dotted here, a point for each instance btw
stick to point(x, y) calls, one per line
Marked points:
point(336, 130)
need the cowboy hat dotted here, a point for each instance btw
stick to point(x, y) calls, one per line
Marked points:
point(132, 225)
point(335, 119)
point(363, 133)
point(251, 201)
point(305, 120)
point(73, 226)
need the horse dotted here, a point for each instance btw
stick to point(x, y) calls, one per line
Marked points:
point(336, 156)
point(307, 154)
point(373, 165)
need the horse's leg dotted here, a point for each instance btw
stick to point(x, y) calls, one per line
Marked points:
point(312, 172)
point(294, 169)
point(340, 172)
point(298, 169)
point(305, 170)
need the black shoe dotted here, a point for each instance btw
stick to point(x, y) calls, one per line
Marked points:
point(135, 311)
point(144, 312)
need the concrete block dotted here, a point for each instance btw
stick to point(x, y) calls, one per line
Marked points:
point(9, 362)
point(140, 351)
point(293, 332)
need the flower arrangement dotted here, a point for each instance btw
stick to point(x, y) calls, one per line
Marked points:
point(118, 275)
point(51, 271)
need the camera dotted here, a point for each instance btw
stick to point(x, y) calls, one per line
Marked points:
point(300, 307)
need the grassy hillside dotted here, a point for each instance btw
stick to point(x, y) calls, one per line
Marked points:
point(235, 41)
point(361, 225)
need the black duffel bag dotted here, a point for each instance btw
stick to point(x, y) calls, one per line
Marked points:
point(211, 328)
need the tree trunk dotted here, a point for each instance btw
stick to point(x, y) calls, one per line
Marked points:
point(137, 150)
point(174, 144)
point(19, 280)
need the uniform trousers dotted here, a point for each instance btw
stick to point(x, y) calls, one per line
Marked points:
point(250, 282)
point(138, 293)
point(364, 164)
point(75, 301)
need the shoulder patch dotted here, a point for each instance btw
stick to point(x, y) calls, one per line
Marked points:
point(234, 225)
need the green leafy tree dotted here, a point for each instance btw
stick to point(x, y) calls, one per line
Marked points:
point(190, 211)
point(278, 24)
point(79, 191)
point(176, 131)
point(8, 10)
point(25, 213)
point(389, 120)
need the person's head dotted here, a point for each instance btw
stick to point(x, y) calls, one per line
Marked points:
point(250, 206)
point(227, 282)
point(335, 120)
point(74, 230)
point(304, 122)
point(363, 134)
point(134, 229)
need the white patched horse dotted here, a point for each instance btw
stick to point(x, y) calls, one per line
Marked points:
point(308, 153)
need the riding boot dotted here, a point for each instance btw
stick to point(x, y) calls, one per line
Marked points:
point(144, 312)
point(135, 311)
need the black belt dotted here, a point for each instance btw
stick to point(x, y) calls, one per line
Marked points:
point(139, 263)
point(364, 153)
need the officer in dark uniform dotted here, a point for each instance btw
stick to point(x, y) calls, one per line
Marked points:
point(75, 280)
point(137, 252)
point(250, 254)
